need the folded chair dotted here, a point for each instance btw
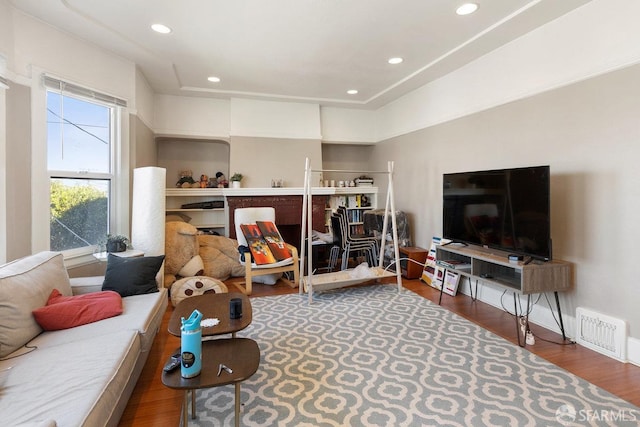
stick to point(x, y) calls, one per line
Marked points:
point(349, 247)
point(361, 241)
point(250, 216)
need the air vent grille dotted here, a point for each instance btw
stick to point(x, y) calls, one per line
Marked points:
point(602, 333)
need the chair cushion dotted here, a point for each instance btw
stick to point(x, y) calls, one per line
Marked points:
point(250, 216)
point(68, 312)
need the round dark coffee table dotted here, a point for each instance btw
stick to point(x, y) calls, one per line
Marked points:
point(241, 355)
point(212, 306)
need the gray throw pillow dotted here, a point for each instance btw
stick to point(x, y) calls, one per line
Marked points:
point(132, 276)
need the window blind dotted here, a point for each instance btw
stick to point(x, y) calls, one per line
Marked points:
point(70, 88)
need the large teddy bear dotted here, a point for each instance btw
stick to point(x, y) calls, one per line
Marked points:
point(220, 256)
point(181, 252)
point(189, 254)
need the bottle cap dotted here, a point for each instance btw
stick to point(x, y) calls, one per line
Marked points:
point(192, 323)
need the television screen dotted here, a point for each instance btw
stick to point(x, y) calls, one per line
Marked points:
point(507, 209)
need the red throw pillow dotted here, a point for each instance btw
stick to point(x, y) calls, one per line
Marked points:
point(67, 312)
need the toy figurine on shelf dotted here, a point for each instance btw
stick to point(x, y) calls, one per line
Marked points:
point(222, 180)
point(204, 181)
point(186, 179)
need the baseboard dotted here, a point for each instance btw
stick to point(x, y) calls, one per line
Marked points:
point(633, 351)
point(541, 315)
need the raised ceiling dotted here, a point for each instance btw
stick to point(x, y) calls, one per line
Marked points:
point(296, 50)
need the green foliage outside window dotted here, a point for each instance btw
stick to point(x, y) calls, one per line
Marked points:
point(79, 216)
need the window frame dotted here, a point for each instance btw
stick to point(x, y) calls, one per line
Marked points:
point(118, 191)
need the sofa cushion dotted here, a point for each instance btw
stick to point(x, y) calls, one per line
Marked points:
point(132, 276)
point(68, 312)
point(25, 285)
point(75, 384)
point(85, 285)
point(142, 313)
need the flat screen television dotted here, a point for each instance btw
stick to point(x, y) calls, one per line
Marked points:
point(505, 209)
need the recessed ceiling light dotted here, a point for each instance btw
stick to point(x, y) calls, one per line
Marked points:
point(467, 8)
point(213, 79)
point(352, 92)
point(160, 28)
point(396, 60)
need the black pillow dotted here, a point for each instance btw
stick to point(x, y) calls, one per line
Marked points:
point(132, 276)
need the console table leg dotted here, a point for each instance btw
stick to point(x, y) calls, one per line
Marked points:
point(560, 316)
point(515, 313)
point(473, 297)
point(444, 274)
point(526, 318)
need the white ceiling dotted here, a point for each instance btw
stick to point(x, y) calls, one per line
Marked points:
point(296, 50)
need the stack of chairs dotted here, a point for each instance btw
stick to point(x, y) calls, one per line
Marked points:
point(347, 244)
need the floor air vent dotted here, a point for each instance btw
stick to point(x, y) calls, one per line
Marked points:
point(602, 333)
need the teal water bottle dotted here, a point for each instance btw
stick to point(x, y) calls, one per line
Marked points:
point(191, 345)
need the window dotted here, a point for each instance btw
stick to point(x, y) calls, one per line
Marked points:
point(80, 159)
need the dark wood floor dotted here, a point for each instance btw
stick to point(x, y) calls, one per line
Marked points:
point(154, 405)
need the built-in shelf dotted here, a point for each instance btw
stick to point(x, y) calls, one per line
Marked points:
point(218, 218)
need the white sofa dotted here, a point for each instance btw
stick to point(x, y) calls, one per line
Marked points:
point(82, 376)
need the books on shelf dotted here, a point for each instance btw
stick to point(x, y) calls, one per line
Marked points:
point(354, 201)
point(454, 264)
point(450, 284)
point(433, 274)
point(364, 182)
point(441, 274)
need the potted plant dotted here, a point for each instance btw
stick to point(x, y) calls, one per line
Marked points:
point(235, 180)
point(116, 243)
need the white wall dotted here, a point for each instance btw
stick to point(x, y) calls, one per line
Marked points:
point(3, 178)
point(18, 170)
point(69, 58)
point(347, 126)
point(188, 116)
point(576, 113)
point(6, 34)
point(6, 51)
point(262, 159)
point(347, 157)
point(143, 103)
point(39, 48)
point(588, 133)
point(202, 157)
point(268, 119)
point(597, 38)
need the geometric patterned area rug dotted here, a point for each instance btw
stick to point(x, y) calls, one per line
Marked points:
point(370, 356)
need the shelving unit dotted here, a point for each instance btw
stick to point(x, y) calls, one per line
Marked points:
point(334, 280)
point(357, 200)
point(494, 267)
point(209, 219)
